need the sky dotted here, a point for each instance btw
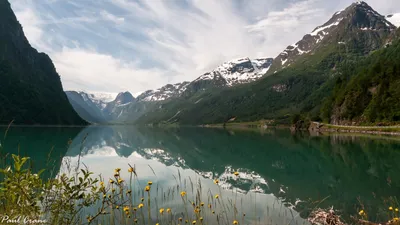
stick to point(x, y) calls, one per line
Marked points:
point(112, 46)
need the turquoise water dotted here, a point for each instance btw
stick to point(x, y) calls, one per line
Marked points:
point(282, 176)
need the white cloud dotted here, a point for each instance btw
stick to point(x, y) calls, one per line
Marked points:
point(97, 72)
point(395, 19)
point(151, 43)
point(108, 16)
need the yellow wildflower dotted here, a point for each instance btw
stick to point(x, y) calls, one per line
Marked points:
point(149, 183)
point(140, 205)
point(194, 222)
point(361, 212)
point(216, 181)
point(147, 188)
point(130, 170)
point(116, 174)
point(201, 218)
point(102, 183)
point(183, 193)
point(134, 209)
point(180, 219)
point(186, 221)
point(236, 173)
point(111, 181)
point(202, 204)
point(396, 219)
point(113, 190)
point(135, 220)
point(129, 191)
point(390, 208)
point(117, 170)
point(235, 222)
point(117, 207)
point(161, 211)
point(120, 181)
point(168, 210)
point(126, 208)
point(213, 212)
point(216, 196)
point(396, 209)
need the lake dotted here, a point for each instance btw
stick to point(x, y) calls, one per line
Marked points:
point(282, 175)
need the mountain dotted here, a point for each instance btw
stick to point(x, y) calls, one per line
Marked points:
point(88, 106)
point(358, 24)
point(30, 88)
point(100, 107)
point(163, 93)
point(298, 80)
point(238, 71)
point(230, 73)
point(118, 106)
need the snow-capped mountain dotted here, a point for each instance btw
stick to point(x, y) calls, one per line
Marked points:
point(394, 19)
point(345, 26)
point(163, 93)
point(230, 73)
point(98, 98)
point(239, 71)
point(99, 107)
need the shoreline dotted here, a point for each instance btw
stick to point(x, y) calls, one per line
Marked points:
point(375, 130)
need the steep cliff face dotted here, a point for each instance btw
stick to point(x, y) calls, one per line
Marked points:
point(30, 88)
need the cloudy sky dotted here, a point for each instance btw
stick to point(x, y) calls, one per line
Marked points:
point(136, 45)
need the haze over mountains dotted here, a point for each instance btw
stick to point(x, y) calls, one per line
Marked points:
point(316, 78)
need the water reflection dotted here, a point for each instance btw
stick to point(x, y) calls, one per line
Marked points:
point(298, 169)
point(45, 146)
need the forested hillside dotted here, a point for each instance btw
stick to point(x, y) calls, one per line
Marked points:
point(370, 93)
point(30, 88)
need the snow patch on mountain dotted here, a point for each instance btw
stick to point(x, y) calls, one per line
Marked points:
point(163, 93)
point(98, 98)
point(239, 71)
point(104, 97)
point(322, 28)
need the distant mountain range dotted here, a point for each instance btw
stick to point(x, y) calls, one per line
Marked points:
point(101, 108)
